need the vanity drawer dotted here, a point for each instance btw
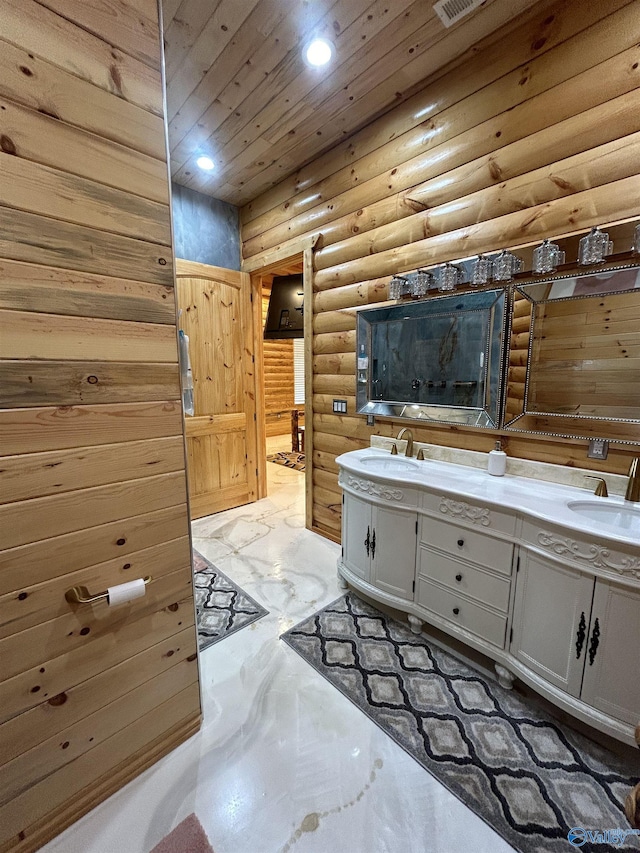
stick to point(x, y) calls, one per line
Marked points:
point(477, 584)
point(473, 617)
point(469, 512)
point(467, 544)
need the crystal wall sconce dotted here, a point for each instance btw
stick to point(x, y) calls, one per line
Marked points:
point(480, 271)
point(399, 286)
point(449, 277)
point(593, 248)
point(506, 265)
point(423, 282)
point(636, 240)
point(547, 257)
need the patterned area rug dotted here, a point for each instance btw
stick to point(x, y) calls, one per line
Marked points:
point(291, 460)
point(222, 607)
point(529, 777)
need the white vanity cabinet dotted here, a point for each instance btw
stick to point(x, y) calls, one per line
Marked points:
point(580, 633)
point(506, 568)
point(379, 539)
point(551, 620)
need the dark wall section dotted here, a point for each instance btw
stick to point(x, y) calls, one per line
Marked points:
point(205, 229)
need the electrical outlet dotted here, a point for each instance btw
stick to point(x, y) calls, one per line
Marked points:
point(371, 420)
point(598, 448)
point(340, 407)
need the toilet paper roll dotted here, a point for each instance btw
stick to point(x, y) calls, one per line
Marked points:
point(126, 592)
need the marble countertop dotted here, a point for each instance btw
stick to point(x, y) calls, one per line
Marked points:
point(538, 499)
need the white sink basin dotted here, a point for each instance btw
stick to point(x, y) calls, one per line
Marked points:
point(390, 464)
point(625, 518)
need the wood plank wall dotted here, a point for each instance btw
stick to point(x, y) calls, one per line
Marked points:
point(534, 133)
point(278, 374)
point(92, 479)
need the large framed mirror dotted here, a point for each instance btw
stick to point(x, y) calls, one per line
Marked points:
point(574, 356)
point(439, 359)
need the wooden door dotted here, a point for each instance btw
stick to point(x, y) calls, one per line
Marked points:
point(611, 681)
point(551, 621)
point(217, 315)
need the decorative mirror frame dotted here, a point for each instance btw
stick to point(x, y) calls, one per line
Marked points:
point(487, 417)
point(555, 423)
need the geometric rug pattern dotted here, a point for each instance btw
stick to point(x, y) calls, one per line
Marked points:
point(528, 776)
point(222, 607)
point(291, 460)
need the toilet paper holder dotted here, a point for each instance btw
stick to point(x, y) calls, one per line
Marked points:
point(81, 595)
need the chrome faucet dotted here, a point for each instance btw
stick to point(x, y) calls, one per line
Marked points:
point(633, 485)
point(409, 450)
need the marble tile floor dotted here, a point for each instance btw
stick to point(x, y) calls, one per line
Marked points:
point(283, 762)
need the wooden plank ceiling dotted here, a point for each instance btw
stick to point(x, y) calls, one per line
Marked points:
point(239, 90)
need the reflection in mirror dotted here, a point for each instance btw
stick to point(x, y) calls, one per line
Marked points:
point(439, 359)
point(574, 357)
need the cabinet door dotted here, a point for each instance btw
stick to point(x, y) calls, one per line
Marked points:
point(356, 534)
point(551, 620)
point(612, 672)
point(393, 554)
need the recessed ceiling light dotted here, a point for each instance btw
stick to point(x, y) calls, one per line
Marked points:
point(318, 52)
point(205, 163)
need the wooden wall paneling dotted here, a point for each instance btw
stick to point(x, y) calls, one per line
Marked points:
point(455, 138)
point(88, 56)
point(94, 657)
point(33, 804)
point(44, 86)
point(64, 634)
point(41, 138)
point(507, 152)
point(31, 287)
point(548, 28)
point(46, 191)
point(62, 383)
point(23, 732)
point(45, 559)
point(40, 474)
point(499, 194)
point(24, 608)
point(131, 28)
point(36, 430)
point(93, 479)
point(39, 335)
point(70, 246)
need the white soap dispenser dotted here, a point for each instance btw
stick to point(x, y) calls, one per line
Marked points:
point(497, 461)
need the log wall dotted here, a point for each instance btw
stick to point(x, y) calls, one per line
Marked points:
point(92, 480)
point(534, 133)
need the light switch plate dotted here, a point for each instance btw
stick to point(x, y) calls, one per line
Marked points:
point(340, 407)
point(371, 420)
point(598, 448)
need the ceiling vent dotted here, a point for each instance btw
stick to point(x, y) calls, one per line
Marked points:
point(451, 11)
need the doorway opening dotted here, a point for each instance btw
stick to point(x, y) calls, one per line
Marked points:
point(282, 371)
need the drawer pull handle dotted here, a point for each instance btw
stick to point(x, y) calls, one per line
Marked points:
point(460, 543)
point(367, 542)
point(81, 595)
point(595, 642)
point(581, 635)
point(456, 610)
point(458, 578)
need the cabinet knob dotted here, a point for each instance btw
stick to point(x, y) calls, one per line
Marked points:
point(460, 543)
point(456, 610)
point(458, 578)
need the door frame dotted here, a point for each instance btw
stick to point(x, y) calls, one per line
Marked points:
point(257, 266)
